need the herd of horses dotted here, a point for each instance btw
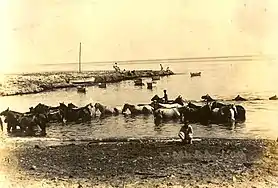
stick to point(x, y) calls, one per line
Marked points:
point(36, 120)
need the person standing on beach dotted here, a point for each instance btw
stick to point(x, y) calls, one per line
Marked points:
point(186, 133)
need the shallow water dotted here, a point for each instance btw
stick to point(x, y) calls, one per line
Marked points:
point(223, 80)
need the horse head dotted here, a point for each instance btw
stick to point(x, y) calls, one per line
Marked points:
point(156, 98)
point(41, 108)
point(5, 112)
point(125, 107)
point(63, 108)
point(239, 98)
point(207, 97)
point(71, 105)
point(99, 107)
point(179, 100)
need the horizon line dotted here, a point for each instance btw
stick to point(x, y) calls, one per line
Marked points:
point(165, 59)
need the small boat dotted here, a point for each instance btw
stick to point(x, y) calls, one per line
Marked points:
point(192, 74)
point(139, 82)
point(81, 89)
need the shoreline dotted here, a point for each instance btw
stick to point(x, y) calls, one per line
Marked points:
point(211, 162)
point(31, 83)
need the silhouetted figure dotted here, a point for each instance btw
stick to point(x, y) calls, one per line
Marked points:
point(165, 97)
point(239, 98)
point(117, 69)
point(207, 98)
point(161, 67)
point(186, 133)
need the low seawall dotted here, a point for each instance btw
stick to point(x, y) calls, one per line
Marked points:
point(40, 82)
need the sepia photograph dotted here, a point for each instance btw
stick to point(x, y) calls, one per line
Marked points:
point(139, 93)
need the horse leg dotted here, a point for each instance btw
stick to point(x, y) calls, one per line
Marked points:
point(43, 128)
point(182, 117)
point(9, 127)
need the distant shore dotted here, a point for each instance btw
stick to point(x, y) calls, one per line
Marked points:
point(209, 162)
point(19, 84)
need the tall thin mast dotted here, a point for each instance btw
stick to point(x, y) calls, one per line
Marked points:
point(80, 57)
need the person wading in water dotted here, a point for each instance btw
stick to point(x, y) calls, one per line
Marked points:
point(186, 133)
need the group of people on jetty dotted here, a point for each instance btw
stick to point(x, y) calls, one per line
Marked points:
point(35, 121)
point(118, 70)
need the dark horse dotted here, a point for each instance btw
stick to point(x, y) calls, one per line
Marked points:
point(25, 121)
point(240, 112)
point(207, 98)
point(52, 113)
point(239, 98)
point(12, 119)
point(75, 114)
point(195, 113)
point(156, 98)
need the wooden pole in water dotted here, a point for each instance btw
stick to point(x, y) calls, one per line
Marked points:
point(80, 57)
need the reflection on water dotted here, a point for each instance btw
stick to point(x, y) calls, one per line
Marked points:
point(221, 80)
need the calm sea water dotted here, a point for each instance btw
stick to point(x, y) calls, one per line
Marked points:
point(223, 80)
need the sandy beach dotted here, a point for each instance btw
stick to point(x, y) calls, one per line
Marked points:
point(143, 163)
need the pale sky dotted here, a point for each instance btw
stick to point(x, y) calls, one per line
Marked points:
point(49, 31)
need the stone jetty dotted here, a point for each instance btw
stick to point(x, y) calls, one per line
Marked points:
point(40, 82)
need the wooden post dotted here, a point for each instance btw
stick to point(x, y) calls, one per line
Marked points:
point(80, 57)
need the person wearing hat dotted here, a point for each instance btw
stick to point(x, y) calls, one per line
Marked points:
point(186, 133)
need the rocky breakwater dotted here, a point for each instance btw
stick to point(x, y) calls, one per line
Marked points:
point(39, 82)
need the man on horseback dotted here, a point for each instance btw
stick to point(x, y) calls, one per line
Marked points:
point(186, 133)
point(165, 97)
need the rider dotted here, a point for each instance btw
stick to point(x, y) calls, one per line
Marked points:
point(165, 97)
point(186, 133)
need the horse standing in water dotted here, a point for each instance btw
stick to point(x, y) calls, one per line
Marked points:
point(26, 122)
point(76, 114)
point(12, 119)
point(239, 111)
point(166, 114)
point(106, 111)
point(137, 110)
point(52, 113)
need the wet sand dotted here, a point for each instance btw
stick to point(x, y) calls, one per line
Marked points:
point(209, 162)
point(38, 82)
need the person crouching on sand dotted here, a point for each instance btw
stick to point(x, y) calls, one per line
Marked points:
point(186, 133)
